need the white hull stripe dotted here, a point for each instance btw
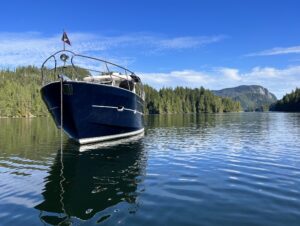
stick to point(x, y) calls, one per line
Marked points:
point(53, 108)
point(109, 137)
point(118, 109)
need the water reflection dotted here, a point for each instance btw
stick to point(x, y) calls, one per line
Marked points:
point(221, 169)
point(181, 120)
point(25, 137)
point(81, 184)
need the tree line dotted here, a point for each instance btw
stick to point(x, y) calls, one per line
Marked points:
point(289, 103)
point(186, 100)
point(20, 97)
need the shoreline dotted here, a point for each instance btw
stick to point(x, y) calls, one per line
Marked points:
point(46, 116)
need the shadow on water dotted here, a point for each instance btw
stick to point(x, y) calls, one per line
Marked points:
point(82, 184)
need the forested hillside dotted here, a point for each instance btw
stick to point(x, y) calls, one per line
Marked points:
point(252, 98)
point(186, 100)
point(290, 102)
point(20, 97)
point(20, 93)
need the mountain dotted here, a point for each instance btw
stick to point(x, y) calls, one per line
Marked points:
point(252, 98)
point(289, 103)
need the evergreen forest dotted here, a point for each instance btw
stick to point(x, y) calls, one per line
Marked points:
point(289, 103)
point(186, 100)
point(20, 97)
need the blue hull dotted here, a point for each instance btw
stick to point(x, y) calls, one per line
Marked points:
point(94, 112)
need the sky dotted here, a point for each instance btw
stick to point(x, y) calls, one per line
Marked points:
point(211, 43)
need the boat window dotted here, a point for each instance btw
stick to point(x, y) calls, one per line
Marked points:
point(127, 85)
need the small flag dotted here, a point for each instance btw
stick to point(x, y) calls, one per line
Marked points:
point(65, 38)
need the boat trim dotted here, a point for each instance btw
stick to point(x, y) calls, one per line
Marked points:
point(105, 144)
point(118, 109)
point(53, 108)
point(109, 137)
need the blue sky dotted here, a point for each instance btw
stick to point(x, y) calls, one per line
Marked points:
point(214, 44)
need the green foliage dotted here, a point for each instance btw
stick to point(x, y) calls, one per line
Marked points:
point(186, 100)
point(20, 93)
point(290, 102)
point(20, 97)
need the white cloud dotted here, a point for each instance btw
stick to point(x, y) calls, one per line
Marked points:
point(188, 42)
point(189, 78)
point(32, 48)
point(277, 51)
point(231, 73)
point(278, 81)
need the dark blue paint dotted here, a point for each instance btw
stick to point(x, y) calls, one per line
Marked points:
point(81, 120)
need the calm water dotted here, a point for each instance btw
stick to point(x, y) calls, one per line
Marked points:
point(224, 169)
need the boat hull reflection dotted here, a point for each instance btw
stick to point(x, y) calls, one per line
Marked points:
point(82, 184)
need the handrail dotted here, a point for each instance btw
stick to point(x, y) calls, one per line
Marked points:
point(83, 56)
point(75, 68)
point(105, 61)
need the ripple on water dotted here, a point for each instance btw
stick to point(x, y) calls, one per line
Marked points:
point(252, 172)
point(223, 169)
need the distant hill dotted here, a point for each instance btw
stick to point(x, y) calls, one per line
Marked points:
point(252, 98)
point(290, 102)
